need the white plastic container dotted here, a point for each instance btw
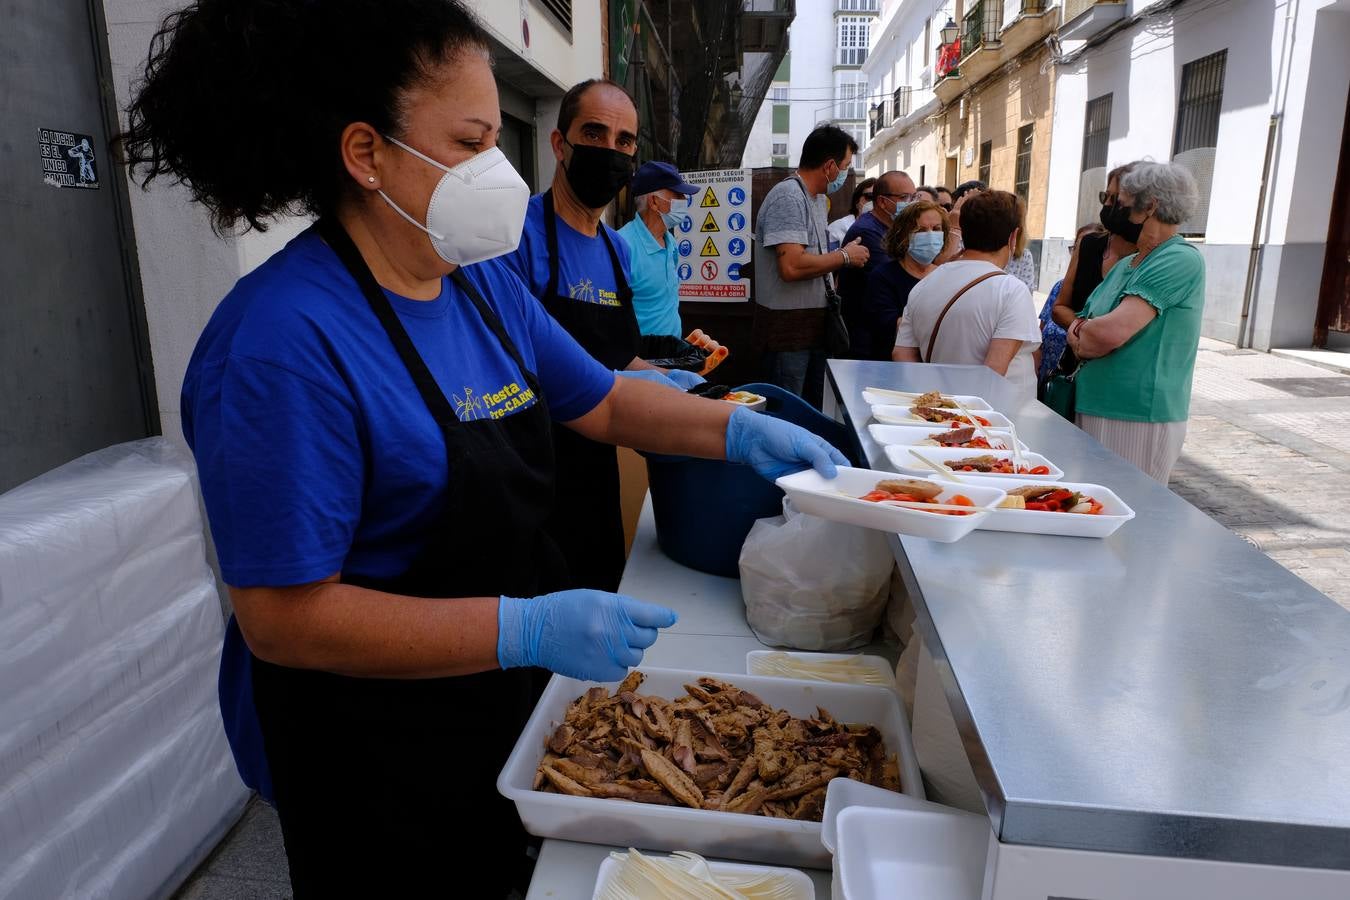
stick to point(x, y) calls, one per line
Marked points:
point(843, 793)
point(837, 499)
point(1114, 514)
point(884, 397)
point(917, 435)
point(904, 461)
point(900, 415)
point(758, 404)
point(721, 834)
point(876, 666)
point(888, 853)
point(799, 886)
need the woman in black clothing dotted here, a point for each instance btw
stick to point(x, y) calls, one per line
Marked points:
point(915, 239)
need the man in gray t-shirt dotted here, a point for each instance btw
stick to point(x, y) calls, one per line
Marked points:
point(789, 286)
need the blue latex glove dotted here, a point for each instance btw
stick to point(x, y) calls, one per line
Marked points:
point(776, 448)
point(584, 634)
point(684, 379)
point(656, 376)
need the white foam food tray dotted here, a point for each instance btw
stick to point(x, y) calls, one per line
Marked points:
point(884, 397)
point(798, 884)
point(759, 404)
point(877, 667)
point(1114, 514)
point(889, 853)
point(904, 461)
point(843, 793)
point(900, 415)
point(836, 499)
point(729, 835)
point(918, 435)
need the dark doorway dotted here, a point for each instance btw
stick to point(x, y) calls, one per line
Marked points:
point(1333, 304)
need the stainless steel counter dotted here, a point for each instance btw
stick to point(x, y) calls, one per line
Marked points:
point(1167, 691)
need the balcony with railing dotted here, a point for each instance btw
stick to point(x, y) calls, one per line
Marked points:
point(981, 27)
point(986, 45)
point(1085, 18)
point(902, 102)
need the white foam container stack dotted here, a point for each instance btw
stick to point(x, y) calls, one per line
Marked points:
point(114, 771)
point(796, 885)
point(720, 834)
point(888, 853)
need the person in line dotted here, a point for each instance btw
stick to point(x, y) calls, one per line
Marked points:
point(862, 201)
point(581, 272)
point(1053, 336)
point(1108, 247)
point(892, 192)
point(789, 306)
point(944, 198)
point(1021, 264)
point(925, 193)
point(1140, 329)
point(659, 193)
point(370, 415)
point(913, 243)
point(972, 312)
point(964, 191)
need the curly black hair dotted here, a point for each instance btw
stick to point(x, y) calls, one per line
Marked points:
point(244, 101)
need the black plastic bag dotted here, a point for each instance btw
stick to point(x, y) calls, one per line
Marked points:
point(670, 352)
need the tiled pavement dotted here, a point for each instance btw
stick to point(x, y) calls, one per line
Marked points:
point(1266, 455)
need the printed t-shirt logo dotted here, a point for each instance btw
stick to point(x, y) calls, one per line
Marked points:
point(471, 406)
point(586, 291)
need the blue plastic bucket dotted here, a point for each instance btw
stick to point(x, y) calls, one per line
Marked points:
point(705, 508)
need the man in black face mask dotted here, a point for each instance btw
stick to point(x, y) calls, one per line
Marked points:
point(578, 267)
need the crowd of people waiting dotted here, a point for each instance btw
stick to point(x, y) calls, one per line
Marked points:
point(923, 274)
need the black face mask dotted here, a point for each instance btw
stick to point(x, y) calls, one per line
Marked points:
point(597, 174)
point(1116, 219)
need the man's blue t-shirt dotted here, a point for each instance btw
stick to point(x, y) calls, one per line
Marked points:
point(316, 453)
point(585, 270)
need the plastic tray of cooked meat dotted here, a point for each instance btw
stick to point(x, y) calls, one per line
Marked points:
point(734, 768)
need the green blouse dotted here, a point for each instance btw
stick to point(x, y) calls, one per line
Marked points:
point(1148, 378)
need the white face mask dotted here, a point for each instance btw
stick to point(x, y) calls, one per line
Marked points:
point(866, 208)
point(477, 210)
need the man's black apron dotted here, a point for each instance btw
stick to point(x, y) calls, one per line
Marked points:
point(387, 787)
point(587, 524)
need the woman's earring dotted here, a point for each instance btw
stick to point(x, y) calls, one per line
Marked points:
point(370, 178)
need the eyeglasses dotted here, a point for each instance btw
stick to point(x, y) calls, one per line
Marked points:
point(902, 198)
point(867, 195)
point(1106, 198)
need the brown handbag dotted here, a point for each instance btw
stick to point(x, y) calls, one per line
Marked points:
point(932, 338)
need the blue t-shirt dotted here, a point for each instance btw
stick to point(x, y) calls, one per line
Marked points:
point(315, 451)
point(585, 271)
point(656, 295)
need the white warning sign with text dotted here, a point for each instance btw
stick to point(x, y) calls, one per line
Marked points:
point(714, 236)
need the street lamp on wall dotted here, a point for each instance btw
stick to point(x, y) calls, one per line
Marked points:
point(949, 31)
point(874, 112)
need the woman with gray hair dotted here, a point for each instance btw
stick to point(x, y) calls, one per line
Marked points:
point(1138, 333)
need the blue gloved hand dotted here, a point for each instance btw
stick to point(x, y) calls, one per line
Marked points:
point(583, 634)
point(776, 448)
point(656, 376)
point(684, 379)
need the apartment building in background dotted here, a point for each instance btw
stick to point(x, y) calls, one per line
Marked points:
point(820, 80)
point(1251, 96)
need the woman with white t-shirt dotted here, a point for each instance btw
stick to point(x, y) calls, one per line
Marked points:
point(969, 311)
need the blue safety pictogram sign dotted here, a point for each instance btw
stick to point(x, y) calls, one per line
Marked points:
point(736, 222)
point(685, 271)
point(686, 248)
point(736, 247)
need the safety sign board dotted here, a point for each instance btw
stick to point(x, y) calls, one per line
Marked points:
point(720, 213)
point(686, 248)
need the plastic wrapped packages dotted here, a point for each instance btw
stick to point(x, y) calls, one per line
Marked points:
point(813, 584)
point(114, 770)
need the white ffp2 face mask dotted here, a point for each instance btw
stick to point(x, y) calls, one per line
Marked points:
point(477, 210)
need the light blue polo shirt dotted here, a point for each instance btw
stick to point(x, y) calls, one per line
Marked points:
point(656, 298)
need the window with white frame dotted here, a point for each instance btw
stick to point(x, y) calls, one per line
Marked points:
point(853, 34)
point(860, 138)
point(857, 5)
point(779, 146)
point(851, 96)
point(780, 93)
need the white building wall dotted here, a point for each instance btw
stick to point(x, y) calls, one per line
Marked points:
point(897, 59)
point(759, 141)
point(811, 90)
point(186, 269)
point(1284, 56)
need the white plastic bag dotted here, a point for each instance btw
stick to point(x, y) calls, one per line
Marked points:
point(813, 584)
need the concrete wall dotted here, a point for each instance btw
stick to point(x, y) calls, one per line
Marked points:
point(1286, 58)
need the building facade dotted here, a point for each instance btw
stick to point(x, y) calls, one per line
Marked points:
point(1251, 96)
point(820, 80)
point(965, 95)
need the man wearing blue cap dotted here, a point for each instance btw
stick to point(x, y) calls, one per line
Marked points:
point(659, 191)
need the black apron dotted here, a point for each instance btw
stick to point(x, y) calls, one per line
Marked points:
point(588, 521)
point(387, 787)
